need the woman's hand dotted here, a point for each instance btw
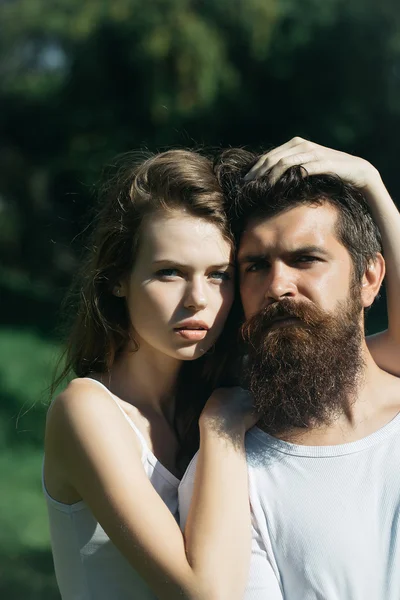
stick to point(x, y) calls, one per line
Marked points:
point(316, 160)
point(229, 410)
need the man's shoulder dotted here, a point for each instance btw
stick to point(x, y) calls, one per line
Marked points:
point(262, 449)
point(389, 395)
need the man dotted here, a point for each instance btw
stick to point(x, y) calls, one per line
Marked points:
point(324, 460)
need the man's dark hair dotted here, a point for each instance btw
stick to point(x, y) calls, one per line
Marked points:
point(257, 198)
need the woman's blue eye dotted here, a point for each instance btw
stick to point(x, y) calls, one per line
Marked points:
point(170, 273)
point(167, 273)
point(220, 275)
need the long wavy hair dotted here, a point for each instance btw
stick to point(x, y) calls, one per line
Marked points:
point(100, 328)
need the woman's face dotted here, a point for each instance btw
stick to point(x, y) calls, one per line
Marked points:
point(181, 288)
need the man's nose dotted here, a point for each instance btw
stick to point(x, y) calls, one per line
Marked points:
point(281, 283)
point(196, 297)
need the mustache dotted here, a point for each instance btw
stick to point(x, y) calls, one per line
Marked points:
point(307, 313)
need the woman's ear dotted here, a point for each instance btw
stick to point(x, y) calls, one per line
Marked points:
point(119, 289)
point(372, 280)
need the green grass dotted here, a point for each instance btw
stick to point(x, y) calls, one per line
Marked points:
point(26, 363)
point(23, 519)
point(26, 569)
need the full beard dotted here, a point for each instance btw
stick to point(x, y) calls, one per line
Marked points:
point(305, 373)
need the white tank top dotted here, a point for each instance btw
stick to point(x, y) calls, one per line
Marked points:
point(87, 564)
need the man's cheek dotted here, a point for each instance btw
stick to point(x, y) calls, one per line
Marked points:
point(249, 300)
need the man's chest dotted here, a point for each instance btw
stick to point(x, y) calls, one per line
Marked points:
point(331, 532)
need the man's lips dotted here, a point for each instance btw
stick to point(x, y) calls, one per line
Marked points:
point(282, 321)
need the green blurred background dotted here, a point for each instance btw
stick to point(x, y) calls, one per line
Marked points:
point(81, 81)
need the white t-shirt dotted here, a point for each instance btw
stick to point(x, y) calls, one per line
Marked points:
point(325, 518)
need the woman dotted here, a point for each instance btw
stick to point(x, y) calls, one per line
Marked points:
point(155, 293)
point(158, 289)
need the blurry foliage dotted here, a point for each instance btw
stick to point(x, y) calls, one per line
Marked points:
point(83, 81)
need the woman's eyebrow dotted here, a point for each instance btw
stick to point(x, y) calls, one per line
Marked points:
point(168, 261)
point(223, 265)
point(179, 264)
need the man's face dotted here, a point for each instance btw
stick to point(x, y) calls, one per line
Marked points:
point(296, 256)
point(303, 313)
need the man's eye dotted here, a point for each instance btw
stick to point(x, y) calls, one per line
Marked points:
point(167, 273)
point(220, 276)
point(306, 259)
point(261, 265)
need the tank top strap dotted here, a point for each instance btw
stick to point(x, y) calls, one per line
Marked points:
point(140, 436)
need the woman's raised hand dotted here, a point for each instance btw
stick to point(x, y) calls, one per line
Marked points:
point(316, 160)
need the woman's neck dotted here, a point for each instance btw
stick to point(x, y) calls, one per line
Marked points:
point(145, 378)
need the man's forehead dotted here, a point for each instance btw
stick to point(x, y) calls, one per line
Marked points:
point(310, 225)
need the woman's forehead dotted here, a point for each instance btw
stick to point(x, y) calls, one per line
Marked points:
point(178, 233)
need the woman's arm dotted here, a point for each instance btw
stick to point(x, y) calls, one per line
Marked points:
point(98, 455)
point(384, 346)
point(218, 527)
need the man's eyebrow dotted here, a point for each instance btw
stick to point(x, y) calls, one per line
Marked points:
point(249, 258)
point(310, 250)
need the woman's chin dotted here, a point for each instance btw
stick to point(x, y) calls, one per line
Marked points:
point(192, 352)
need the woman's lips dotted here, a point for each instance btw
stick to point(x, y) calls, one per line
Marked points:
point(193, 335)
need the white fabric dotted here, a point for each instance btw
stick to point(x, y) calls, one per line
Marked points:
point(87, 565)
point(325, 518)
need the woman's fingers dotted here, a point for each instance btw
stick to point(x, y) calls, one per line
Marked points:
point(267, 161)
point(286, 162)
point(316, 160)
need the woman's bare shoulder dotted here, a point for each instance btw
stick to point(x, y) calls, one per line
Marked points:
point(83, 406)
point(85, 416)
point(79, 394)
